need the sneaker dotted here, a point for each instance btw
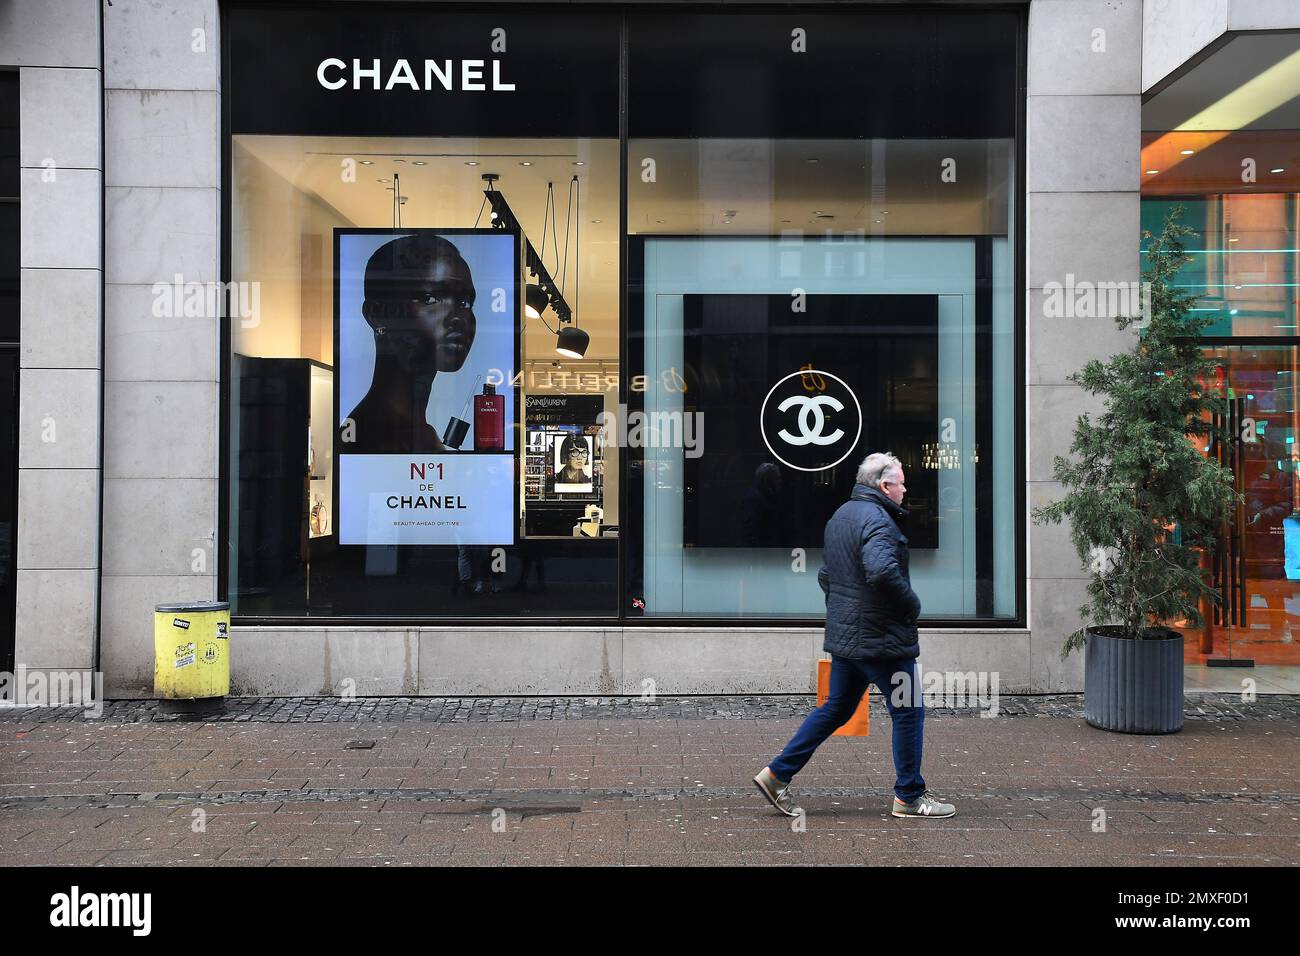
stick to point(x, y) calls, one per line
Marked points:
point(923, 806)
point(777, 792)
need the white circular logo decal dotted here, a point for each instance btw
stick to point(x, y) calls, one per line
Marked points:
point(811, 428)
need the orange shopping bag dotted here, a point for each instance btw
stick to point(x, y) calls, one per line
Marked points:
point(859, 724)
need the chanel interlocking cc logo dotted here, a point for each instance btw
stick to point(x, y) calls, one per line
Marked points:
point(810, 432)
point(811, 420)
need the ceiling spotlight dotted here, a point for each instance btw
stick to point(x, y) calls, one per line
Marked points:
point(525, 163)
point(1234, 240)
point(471, 162)
point(595, 220)
point(399, 160)
point(367, 162)
point(877, 220)
point(1278, 170)
point(536, 300)
point(884, 212)
point(1187, 152)
point(726, 222)
point(1152, 172)
point(572, 341)
point(383, 180)
point(420, 162)
point(660, 221)
point(812, 159)
point(579, 162)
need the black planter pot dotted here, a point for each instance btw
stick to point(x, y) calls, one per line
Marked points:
point(1134, 686)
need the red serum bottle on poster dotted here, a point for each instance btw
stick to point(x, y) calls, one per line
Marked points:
point(489, 420)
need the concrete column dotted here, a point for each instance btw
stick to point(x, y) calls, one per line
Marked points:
point(56, 47)
point(1083, 150)
point(162, 185)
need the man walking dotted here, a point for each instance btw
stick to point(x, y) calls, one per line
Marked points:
point(871, 613)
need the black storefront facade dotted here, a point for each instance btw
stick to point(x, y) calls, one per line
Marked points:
point(554, 336)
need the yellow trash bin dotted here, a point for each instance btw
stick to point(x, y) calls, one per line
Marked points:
point(191, 646)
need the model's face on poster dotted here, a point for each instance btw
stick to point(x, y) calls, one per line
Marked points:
point(572, 457)
point(427, 314)
point(578, 459)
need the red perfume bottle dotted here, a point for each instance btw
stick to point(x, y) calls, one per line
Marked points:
point(489, 420)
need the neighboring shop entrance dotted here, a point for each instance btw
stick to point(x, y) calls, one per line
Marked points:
point(1257, 565)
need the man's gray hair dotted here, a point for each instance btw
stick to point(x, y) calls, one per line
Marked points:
point(874, 467)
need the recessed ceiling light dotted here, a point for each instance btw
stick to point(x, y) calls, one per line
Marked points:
point(1152, 172)
point(383, 180)
point(726, 222)
point(420, 162)
point(471, 162)
point(1187, 152)
point(660, 221)
point(399, 160)
point(525, 163)
point(578, 162)
point(884, 212)
point(1234, 240)
point(812, 159)
point(877, 220)
point(1278, 170)
point(595, 220)
point(367, 162)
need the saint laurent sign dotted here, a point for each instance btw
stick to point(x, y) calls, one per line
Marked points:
point(333, 74)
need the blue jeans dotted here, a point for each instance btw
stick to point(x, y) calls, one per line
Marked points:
point(849, 681)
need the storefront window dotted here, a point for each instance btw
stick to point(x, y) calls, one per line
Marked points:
point(458, 387)
point(414, 419)
point(820, 267)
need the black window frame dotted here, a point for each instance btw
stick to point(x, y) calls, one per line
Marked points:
point(9, 349)
point(623, 618)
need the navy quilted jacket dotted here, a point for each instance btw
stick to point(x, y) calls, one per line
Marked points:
point(871, 609)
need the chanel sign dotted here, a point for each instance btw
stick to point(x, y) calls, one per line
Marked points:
point(794, 399)
point(810, 420)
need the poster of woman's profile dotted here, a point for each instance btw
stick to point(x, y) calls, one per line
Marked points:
point(425, 320)
point(424, 317)
point(571, 455)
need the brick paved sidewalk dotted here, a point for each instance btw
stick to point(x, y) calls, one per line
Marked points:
point(663, 783)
